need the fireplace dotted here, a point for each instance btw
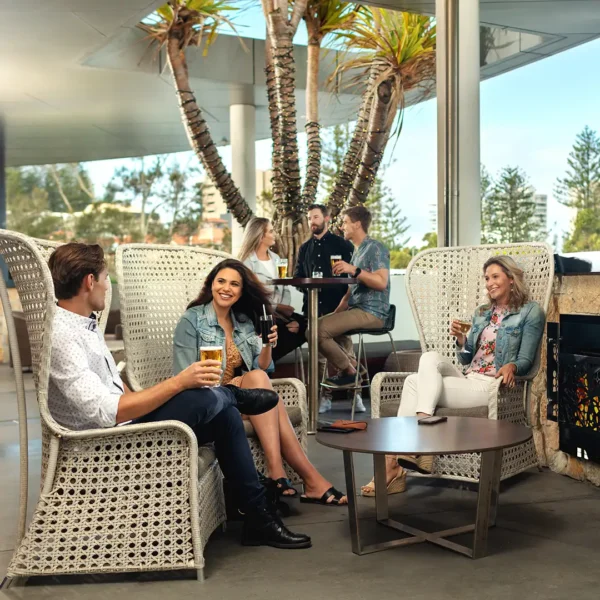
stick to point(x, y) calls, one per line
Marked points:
point(574, 384)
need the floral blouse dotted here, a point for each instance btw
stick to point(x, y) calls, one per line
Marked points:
point(483, 361)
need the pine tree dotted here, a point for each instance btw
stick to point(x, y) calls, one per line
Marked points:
point(512, 209)
point(488, 224)
point(388, 225)
point(579, 188)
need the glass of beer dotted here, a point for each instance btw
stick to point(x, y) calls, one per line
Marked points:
point(282, 267)
point(465, 327)
point(212, 353)
point(334, 258)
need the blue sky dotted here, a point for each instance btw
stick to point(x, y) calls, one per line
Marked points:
point(529, 118)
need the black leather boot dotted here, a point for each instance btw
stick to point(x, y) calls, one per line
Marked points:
point(263, 528)
point(254, 401)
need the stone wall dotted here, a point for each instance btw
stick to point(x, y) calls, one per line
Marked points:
point(572, 294)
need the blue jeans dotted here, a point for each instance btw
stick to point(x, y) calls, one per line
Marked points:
point(212, 415)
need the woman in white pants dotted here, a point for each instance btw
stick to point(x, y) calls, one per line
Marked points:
point(501, 344)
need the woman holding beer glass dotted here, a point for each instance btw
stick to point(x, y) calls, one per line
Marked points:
point(257, 255)
point(232, 306)
point(501, 343)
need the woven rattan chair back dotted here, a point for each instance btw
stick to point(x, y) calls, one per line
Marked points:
point(445, 283)
point(156, 283)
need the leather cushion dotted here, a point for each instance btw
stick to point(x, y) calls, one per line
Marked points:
point(294, 413)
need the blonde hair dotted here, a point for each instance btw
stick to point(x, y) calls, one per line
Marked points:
point(519, 292)
point(253, 234)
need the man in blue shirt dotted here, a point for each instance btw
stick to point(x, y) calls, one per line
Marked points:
point(366, 304)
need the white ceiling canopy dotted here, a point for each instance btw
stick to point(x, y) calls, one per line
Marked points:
point(76, 83)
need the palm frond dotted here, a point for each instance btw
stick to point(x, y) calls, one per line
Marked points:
point(198, 21)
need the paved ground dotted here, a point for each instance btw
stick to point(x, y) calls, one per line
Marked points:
point(546, 544)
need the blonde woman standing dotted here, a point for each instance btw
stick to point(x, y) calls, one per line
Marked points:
point(257, 255)
point(501, 344)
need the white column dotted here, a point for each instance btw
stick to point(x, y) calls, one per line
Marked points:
point(458, 79)
point(242, 130)
point(469, 135)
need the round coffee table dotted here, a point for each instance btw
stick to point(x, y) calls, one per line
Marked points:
point(403, 435)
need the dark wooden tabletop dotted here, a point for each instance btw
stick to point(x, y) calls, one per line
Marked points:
point(402, 435)
point(314, 282)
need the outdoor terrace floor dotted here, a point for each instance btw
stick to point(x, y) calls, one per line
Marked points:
point(546, 544)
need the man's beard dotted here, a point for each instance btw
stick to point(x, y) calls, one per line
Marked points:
point(317, 230)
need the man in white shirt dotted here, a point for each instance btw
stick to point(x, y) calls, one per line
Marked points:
point(86, 392)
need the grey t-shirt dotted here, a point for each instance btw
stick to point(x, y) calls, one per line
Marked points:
point(371, 256)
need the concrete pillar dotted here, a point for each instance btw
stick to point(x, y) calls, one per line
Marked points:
point(458, 81)
point(243, 160)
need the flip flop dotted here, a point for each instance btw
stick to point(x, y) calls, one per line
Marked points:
point(324, 499)
point(283, 485)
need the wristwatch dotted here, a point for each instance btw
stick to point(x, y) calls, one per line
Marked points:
point(357, 272)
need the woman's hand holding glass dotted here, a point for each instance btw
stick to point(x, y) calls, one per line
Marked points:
point(456, 331)
point(273, 337)
point(204, 373)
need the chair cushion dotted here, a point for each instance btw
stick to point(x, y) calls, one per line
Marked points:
point(480, 412)
point(206, 456)
point(294, 413)
point(391, 410)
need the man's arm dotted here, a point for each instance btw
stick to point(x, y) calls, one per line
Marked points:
point(133, 405)
point(377, 280)
point(343, 305)
point(300, 272)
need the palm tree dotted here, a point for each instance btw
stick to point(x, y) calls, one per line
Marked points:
point(290, 218)
point(177, 25)
point(322, 17)
point(397, 50)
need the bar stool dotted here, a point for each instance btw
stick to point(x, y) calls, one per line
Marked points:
point(361, 357)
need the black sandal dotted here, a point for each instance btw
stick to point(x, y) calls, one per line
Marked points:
point(283, 485)
point(336, 496)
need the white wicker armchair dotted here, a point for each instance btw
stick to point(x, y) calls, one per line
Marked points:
point(156, 283)
point(440, 282)
point(131, 498)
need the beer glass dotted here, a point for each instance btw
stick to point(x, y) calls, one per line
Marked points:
point(282, 267)
point(334, 258)
point(212, 353)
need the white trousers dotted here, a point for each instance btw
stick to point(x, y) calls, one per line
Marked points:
point(439, 383)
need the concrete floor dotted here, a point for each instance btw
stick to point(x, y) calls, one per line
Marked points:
point(546, 544)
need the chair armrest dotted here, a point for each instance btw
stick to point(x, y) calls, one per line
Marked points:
point(115, 432)
point(510, 403)
point(386, 388)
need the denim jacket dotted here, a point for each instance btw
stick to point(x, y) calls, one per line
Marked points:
point(199, 327)
point(518, 337)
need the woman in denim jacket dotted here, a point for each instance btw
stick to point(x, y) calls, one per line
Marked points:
point(226, 314)
point(502, 344)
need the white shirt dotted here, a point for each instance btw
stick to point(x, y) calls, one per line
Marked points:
point(280, 294)
point(85, 385)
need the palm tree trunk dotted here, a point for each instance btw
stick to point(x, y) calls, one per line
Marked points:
point(385, 104)
point(285, 87)
point(277, 179)
point(199, 134)
point(291, 222)
point(313, 137)
point(345, 177)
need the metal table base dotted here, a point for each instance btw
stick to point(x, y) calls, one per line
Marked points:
point(487, 504)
